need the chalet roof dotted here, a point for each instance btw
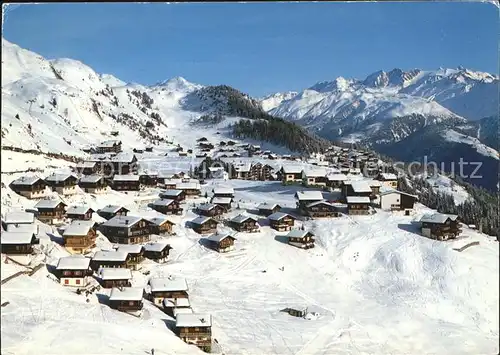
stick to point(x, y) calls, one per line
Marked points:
point(158, 247)
point(193, 320)
point(188, 186)
point(243, 167)
point(162, 202)
point(26, 181)
point(112, 209)
point(267, 206)
point(123, 157)
point(122, 221)
point(114, 273)
point(182, 302)
point(309, 195)
point(171, 193)
point(217, 237)
point(292, 169)
point(46, 203)
point(206, 206)
point(387, 176)
point(375, 183)
point(439, 218)
point(130, 248)
point(158, 221)
point(17, 228)
point(222, 190)
point(126, 294)
point(354, 170)
point(202, 220)
point(221, 200)
point(361, 186)
point(59, 177)
point(277, 216)
point(73, 262)
point(171, 181)
point(242, 218)
point(168, 284)
point(336, 177)
point(390, 192)
point(86, 164)
point(297, 233)
point(78, 228)
point(105, 157)
point(90, 179)
point(110, 255)
point(16, 237)
point(315, 172)
point(358, 199)
point(127, 177)
point(182, 310)
point(78, 210)
point(322, 202)
point(19, 218)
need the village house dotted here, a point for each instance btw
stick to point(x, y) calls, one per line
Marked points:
point(20, 243)
point(114, 277)
point(19, 222)
point(281, 221)
point(321, 209)
point(224, 202)
point(173, 194)
point(243, 223)
point(301, 239)
point(177, 306)
point(93, 184)
point(388, 179)
point(440, 226)
point(204, 225)
point(167, 288)
point(83, 213)
point(124, 163)
point(109, 258)
point(314, 178)
point(195, 329)
point(74, 271)
point(394, 200)
point(335, 181)
point(110, 146)
point(126, 183)
point(63, 184)
point(267, 209)
point(126, 299)
point(166, 206)
point(375, 185)
point(161, 225)
point(223, 192)
point(157, 251)
point(31, 187)
point(306, 197)
point(148, 178)
point(111, 211)
point(358, 204)
point(127, 230)
point(171, 183)
point(87, 168)
point(135, 255)
point(357, 188)
point(222, 243)
point(291, 174)
point(191, 189)
point(210, 210)
point(241, 171)
point(51, 211)
point(80, 237)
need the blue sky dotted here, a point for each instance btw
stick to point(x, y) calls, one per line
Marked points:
point(259, 48)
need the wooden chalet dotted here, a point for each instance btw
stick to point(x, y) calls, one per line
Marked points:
point(63, 184)
point(375, 185)
point(315, 178)
point(80, 236)
point(93, 184)
point(51, 211)
point(358, 205)
point(267, 209)
point(167, 288)
point(74, 271)
point(394, 200)
point(195, 329)
point(157, 251)
point(173, 307)
point(305, 198)
point(281, 221)
point(301, 239)
point(83, 213)
point(291, 174)
point(262, 172)
point(388, 179)
point(31, 187)
point(224, 202)
point(147, 178)
point(124, 163)
point(126, 183)
point(110, 146)
point(109, 258)
point(357, 188)
point(111, 211)
point(87, 168)
point(126, 299)
point(223, 192)
point(321, 209)
point(191, 189)
point(335, 181)
point(167, 206)
point(210, 210)
point(161, 225)
point(241, 171)
point(114, 277)
point(18, 243)
point(221, 242)
point(135, 255)
point(242, 223)
point(19, 222)
point(440, 226)
point(171, 183)
point(173, 194)
point(204, 225)
point(127, 230)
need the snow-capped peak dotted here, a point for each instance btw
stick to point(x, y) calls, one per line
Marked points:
point(271, 101)
point(112, 80)
point(178, 83)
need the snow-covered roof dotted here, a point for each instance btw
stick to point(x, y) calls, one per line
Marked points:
point(267, 206)
point(29, 228)
point(168, 193)
point(221, 200)
point(130, 248)
point(241, 218)
point(292, 169)
point(243, 167)
point(201, 220)
point(182, 310)
point(122, 221)
point(90, 179)
point(114, 273)
point(158, 247)
point(390, 192)
point(375, 183)
point(322, 202)
point(110, 255)
point(361, 186)
point(123, 157)
point(336, 177)
point(19, 218)
point(128, 177)
point(437, 217)
point(46, 203)
point(315, 172)
point(193, 320)
point(26, 181)
point(126, 294)
point(277, 216)
point(111, 209)
point(78, 228)
point(358, 199)
point(168, 284)
point(170, 181)
point(73, 262)
point(223, 190)
point(308, 195)
point(297, 233)
point(388, 176)
point(78, 209)
point(182, 302)
point(158, 221)
point(162, 202)
point(86, 164)
point(59, 177)
point(188, 186)
point(16, 237)
point(206, 206)
point(217, 237)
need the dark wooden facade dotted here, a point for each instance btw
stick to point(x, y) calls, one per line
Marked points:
point(215, 211)
point(171, 207)
point(81, 216)
point(249, 225)
point(122, 211)
point(133, 233)
point(321, 209)
point(19, 248)
point(50, 214)
point(29, 187)
point(283, 224)
point(209, 226)
point(157, 254)
point(266, 211)
point(126, 185)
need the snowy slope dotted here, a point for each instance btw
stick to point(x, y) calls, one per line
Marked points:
point(454, 136)
point(271, 101)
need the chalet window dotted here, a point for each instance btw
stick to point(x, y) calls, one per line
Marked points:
point(66, 282)
point(77, 282)
point(131, 303)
